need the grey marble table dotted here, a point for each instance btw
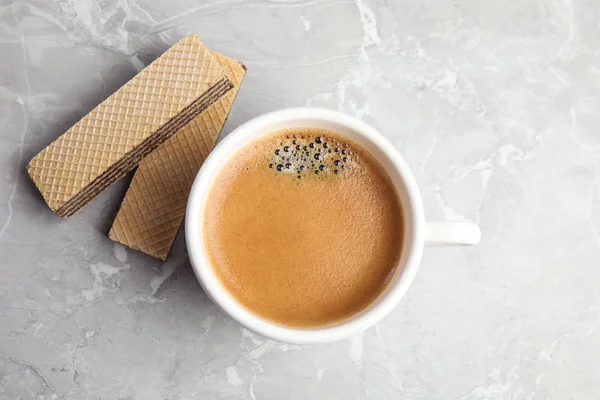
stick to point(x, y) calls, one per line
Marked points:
point(495, 105)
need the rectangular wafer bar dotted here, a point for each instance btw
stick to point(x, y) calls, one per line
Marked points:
point(115, 136)
point(154, 205)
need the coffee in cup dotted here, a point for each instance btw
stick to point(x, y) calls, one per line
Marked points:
point(303, 227)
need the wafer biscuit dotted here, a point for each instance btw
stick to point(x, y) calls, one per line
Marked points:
point(154, 205)
point(114, 137)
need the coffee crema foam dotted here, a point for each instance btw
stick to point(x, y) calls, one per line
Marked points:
point(303, 228)
point(311, 152)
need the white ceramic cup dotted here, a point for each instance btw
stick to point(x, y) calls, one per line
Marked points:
point(417, 231)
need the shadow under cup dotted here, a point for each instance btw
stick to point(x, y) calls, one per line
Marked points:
point(371, 141)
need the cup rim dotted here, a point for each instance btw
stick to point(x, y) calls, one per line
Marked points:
point(204, 271)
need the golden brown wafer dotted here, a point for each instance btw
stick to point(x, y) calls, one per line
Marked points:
point(115, 136)
point(154, 205)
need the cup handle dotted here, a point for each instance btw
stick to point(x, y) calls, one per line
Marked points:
point(449, 233)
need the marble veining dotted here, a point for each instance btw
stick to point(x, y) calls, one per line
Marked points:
point(495, 106)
